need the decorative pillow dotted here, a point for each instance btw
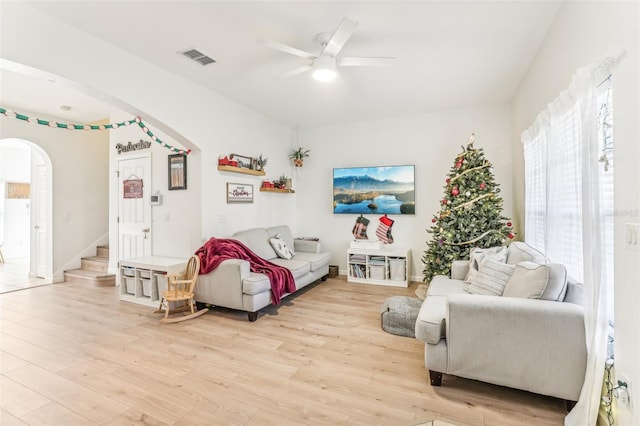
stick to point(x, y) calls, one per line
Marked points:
point(281, 248)
point(523, 252)
point(491, 278)
point(557, 285)
point(476, 256)
point(528, 281)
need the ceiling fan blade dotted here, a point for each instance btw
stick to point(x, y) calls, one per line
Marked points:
point(287, 49)
point(365, 62)
point(342, 34)
point(297, 71)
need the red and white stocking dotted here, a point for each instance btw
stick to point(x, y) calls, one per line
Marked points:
point(384, 230)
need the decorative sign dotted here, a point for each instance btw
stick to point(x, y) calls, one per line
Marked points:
point(132, 146)
point(239, 193)
point(132, 188)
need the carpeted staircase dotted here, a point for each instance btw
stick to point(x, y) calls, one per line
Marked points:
point(94, 269)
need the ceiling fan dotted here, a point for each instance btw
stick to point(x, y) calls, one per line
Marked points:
point(324, 64)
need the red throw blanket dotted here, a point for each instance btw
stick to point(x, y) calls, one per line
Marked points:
point(216, 250)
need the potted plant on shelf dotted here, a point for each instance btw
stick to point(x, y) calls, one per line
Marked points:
point(298, 156)
point(281, 182)
point(260, 162)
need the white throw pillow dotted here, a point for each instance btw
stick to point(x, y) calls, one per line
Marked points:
point(477, 255)
point(528, 281)
point(491, 278)
point(281, 248)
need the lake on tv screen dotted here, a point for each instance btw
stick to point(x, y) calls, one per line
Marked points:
point(386, 204)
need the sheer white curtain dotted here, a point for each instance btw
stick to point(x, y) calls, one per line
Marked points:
point(563, 215)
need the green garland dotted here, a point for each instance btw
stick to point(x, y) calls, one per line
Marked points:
point(56, 125)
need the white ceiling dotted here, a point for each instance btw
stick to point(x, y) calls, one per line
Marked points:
point(450, 54)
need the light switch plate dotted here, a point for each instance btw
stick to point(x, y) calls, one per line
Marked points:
point(632, 236)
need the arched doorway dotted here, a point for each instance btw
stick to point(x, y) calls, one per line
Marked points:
point(25, 214)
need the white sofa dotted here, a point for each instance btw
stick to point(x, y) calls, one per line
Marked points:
point(529, 344)
point(233, 285)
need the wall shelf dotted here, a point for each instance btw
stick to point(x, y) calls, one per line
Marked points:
point(284, 191)
point(241, 170)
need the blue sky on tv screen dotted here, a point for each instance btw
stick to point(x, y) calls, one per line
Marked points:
point(396, 173)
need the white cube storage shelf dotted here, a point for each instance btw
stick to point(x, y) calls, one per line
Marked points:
point(386, 266)
point(143, 279)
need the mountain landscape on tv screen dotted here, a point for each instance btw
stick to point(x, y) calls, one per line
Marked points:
point(366, 194)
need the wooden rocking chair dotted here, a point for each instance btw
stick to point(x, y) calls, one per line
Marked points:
point(180, 288)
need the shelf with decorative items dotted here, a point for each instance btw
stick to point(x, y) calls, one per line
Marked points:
point(241, 170)
point(240, 164)
point(282, 184)
point(281, 190)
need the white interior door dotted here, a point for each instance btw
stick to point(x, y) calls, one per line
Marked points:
point(134, 214)
point(39, 204)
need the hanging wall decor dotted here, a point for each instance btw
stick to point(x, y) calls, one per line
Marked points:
point(132, 187)
point(177, 172)
point(239, 193)
point(56, 125)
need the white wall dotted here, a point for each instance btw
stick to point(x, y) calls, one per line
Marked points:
point(80, 183)
point(430, 141)
point(200, 119)
point(584, 33)
point(15, 163)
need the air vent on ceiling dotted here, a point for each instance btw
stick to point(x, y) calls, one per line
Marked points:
point(198, 56)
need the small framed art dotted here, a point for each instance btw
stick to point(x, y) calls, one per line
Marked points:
point(239, 193)
point(243, 162)
point(177, 171)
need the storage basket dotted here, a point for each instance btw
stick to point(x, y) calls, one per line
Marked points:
point(333, 271)
point(397, 269)
point(376, 272)
point(161, 279)
point(128, 272)
point(146, 287)
point(144, 273)
point(131, 285)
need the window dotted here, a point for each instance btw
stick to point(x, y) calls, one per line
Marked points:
point(554, 150)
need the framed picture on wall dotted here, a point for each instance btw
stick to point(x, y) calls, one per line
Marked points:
point(239, 193)
point(243, 162)
point(177, 171)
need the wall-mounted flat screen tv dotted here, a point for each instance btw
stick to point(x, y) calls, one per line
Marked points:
point(376, 190)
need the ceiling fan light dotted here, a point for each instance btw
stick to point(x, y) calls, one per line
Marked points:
point(324, 69)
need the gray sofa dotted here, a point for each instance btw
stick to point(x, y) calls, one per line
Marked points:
point(530, 344)
point(233, 285)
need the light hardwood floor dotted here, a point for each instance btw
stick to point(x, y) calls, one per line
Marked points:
point(74, 354)
point(14, 276)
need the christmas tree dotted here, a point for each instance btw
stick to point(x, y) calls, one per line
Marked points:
point(470, 214)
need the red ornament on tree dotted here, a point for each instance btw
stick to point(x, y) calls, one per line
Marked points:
point(433, 220)
point(510, 235)
point(455, 191)
point(447, 180)
point(483, 185)
point(458, 164)
point(508, 223)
